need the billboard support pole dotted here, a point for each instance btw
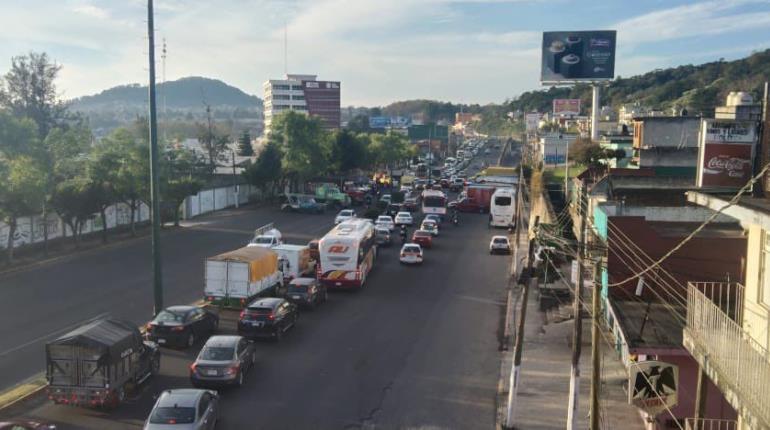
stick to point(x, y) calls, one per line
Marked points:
point(595, 113)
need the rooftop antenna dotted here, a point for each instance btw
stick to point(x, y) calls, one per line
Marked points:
point(285, 49)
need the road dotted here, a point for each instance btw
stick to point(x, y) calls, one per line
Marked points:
point(416, 347)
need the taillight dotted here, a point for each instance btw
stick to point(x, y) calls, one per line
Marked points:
point(233, 370)
point(403, 254)
point(271, 317)
point(243, 314)
point(193, 367)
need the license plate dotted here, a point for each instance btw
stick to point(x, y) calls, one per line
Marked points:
point(211, 372)
point(161, 341)
point(257, 323)
point(295, 297)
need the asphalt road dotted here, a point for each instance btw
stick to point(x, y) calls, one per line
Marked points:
point(417, 347)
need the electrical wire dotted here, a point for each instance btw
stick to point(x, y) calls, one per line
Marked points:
point(703, 225)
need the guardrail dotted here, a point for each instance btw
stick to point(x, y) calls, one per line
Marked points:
point(742, 364)
point(710, 424)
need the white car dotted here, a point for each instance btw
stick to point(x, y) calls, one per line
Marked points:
point(385, 221)
point(344, 215)
point(386, 198)
point(411, 253)
point(404, 218)
point(500, 244)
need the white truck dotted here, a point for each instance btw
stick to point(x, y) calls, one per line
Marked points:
point(294, 261)
point(234, 278)
point(266, 236)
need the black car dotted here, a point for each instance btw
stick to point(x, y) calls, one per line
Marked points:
point(306, 292)
point(268, 317)
point(223, 360)
point(393, 209)
point(182, 325)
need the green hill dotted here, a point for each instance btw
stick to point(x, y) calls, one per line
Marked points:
point(697, 88)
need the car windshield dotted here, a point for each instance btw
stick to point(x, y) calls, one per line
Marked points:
point(346, 213)
point(263, 240)
point(167, 316)
point(297, 288)
point(500, 240)
point(172, 415)
point(217, 353)
point(411, 249)
point(383, 219)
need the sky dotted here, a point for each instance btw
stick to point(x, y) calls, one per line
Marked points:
point(468, 51)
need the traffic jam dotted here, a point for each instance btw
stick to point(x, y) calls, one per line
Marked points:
point(266, 284)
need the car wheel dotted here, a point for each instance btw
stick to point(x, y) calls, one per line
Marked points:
point(190, 339)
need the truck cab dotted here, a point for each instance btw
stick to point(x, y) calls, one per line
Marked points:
point(266, 236)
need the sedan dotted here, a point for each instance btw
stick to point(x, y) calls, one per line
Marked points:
point(344, 215)
point(434, 217)
point(385, 221)
point(224, 360)
point(410, 205)
point(184, 409)
point(268, 317)
point(182, 325)
point(306, 292)
point(430, 226)
point(500, 244)
point(423, 238)
point(404, 218)
point(411, 253)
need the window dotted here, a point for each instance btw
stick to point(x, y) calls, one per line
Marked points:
point(296, 97)
point(203, 405)
point(764, 270)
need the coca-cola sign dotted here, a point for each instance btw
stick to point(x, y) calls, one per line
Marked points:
point(726, 165)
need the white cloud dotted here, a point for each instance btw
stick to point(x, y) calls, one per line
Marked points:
point(92, 11)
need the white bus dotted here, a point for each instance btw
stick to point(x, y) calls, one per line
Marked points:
point(502, 208)
point(347, 254)
point(434, 202)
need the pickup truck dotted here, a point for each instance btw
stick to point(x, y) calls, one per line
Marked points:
point(266, 236)
point(97, 364)
point(303, 204)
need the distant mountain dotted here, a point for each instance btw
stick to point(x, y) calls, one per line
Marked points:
point(183, 94)
point(699, 88)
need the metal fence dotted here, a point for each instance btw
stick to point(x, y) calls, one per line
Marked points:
point(710, 424)
point(741, 362)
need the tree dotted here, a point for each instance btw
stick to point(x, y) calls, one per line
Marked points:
point(182, 171)
point(348, 152)
point(304, 145)
point(132, 175)
point(29, 91)
point(266, 172)
point(21, 184)
point(389, 149)
point(18, 135)
point(359, 124)
point(212, 141)
point(176, 190)
point(244, 145)
point(76, 200)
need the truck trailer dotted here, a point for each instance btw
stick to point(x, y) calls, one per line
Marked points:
point(234, 278)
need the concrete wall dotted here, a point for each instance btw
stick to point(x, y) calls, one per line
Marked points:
point(677, 132)
point(756, 315)
point(668, 157)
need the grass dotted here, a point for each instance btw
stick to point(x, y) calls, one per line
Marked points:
point(556, 174)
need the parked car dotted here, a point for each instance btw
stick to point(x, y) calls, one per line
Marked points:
point(267, 317)
point(344, 215)
point(411, 253)
point(499, 244)
point(422, 238)
point(430, 226)
point(182, 325)
point(184, 409)
point(404, 218)
point(307, 292)
point(385, 221)
point(223, 360)
point(382, 236)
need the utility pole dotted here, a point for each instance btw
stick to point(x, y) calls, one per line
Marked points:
point(235, 180)
point(515, 379)
point(157, 274)
point(596, 360)
point(577, 334)
point(595, 112)
point(517, 217)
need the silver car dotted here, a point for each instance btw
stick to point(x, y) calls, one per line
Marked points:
point(184, 409)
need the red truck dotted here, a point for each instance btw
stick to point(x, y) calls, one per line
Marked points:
point(476, 198)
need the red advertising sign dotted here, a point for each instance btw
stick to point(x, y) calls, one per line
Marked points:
point(726, 165)
point(566, 107)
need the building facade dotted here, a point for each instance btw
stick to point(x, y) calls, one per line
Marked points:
point(303, 93)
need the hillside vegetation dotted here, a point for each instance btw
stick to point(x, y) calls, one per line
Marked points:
point(697, 88)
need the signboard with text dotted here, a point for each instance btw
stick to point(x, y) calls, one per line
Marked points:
point(532, 120)
point(653, 386)
point(578, 56)
point(726, 155)
point(566, 107)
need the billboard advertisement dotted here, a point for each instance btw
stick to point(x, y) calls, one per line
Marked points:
point(532, 120)
point(653, 386)
point(566, 107)
point(578, 56)
point(379, 122)
point(726, 153)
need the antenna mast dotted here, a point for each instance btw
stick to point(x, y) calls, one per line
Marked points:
point(163, 79)
point(285, 49)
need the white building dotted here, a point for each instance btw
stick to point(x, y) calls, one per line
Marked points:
point(305, 94)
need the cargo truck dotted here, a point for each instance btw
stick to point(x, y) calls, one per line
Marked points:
point(331, 195)
point(476, 198)
point(294, 261)
point(97, 364)
point(234, 278)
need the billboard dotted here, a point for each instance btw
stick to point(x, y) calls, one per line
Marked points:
point(653, 386)
point(566, 107)
point(726, 153)
point(532, 120)
point(578, 56)
point(379, 122)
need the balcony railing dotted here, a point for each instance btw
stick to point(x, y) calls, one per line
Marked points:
point(741, 363)
point(710, 424)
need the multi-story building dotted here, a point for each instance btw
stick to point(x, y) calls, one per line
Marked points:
point(667, 144)
point(303, 93)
